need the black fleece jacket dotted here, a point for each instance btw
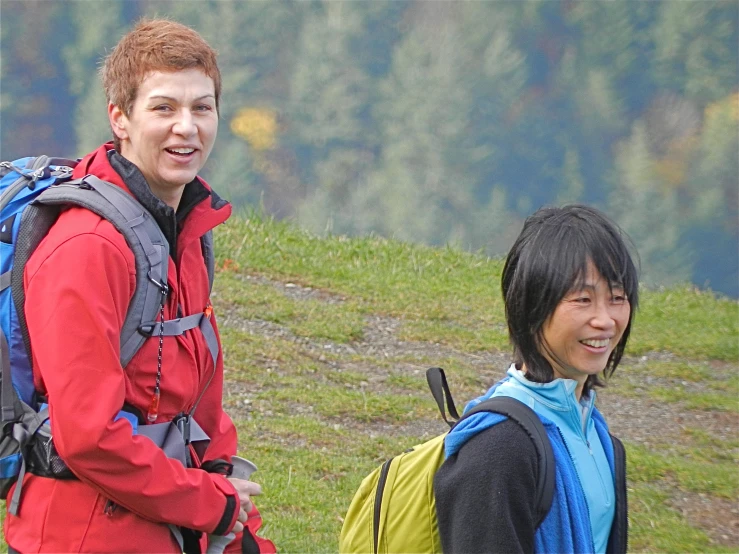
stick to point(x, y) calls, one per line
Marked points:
point(486, 493)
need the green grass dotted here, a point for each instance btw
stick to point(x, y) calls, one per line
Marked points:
point(654, 527)
point(306, 318)
point(688, 323)
point(322, 475)
point(444, 296)
point(453, 297)
point(675, 382)
point(688, 469)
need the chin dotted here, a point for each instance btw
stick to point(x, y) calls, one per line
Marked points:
point(180, 178)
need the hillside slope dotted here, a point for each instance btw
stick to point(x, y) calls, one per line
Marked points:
point(326, 344)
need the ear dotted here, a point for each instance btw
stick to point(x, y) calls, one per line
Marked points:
point(118, 121)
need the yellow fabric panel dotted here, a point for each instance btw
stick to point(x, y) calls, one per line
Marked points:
point(407, 521)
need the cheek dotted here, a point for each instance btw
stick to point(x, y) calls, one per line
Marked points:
point(623, 321)
point(212, 133)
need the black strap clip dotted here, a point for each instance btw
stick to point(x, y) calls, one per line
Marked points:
point(147, 328)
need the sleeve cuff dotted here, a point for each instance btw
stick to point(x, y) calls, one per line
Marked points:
point(231, 511)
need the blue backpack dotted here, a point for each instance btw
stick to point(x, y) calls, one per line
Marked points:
point(33, 191)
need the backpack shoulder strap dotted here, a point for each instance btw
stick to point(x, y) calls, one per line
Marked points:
point(206, 243)
point(530, 422)
point(146, 240)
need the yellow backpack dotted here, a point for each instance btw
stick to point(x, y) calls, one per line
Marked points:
point(394, 509)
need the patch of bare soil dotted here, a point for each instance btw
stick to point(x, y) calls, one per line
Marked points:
point(718, 517)
point(634, 418)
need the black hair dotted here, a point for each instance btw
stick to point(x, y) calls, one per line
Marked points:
point(549, 259)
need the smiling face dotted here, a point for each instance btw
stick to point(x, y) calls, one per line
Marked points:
point(585, 327)
point(170, 131)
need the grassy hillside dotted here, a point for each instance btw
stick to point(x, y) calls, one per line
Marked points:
point(326, 342)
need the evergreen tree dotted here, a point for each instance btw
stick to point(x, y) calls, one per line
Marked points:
point(648, 213)
point(696, 52)
point(255, 42)
point(713, 198)
point(419, 191)
point(331, 98)
point(35, 105)
point(82, 56)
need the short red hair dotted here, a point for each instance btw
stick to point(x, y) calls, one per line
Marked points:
point(155, 45)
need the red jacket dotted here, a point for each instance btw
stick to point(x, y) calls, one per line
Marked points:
point(79, 283)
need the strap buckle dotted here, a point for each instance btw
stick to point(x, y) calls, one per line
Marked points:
point(182, 422)
point(147, 328)
point(164, 287)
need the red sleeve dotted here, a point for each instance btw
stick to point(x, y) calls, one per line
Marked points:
point(76, 301)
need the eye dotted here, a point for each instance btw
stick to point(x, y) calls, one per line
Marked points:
point(619, 298)
point(579, 298)
point(203, 108)
point(162, 108)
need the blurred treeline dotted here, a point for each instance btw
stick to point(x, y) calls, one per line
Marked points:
point(440, 122)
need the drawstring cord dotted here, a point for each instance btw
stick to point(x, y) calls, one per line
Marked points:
point(151, 416)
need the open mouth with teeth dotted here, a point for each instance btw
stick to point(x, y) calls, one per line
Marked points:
point(600, 343)
point(180, 151)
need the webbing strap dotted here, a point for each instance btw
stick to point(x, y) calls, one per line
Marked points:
point(177, 534)
point(175, 327)
point(22, 432)
point(15, 500)
point(147, 232)
point(530, 422)
point(179, 326)
point(206, 327)
point(7, 395)
point(440, 390)
point(7, 392)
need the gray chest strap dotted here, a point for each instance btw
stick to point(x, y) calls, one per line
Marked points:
point(179, 326)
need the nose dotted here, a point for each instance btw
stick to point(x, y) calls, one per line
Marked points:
point(603, 318)
point(185, 124)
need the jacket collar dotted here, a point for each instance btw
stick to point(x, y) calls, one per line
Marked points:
point(195, 215)
point(559, 393)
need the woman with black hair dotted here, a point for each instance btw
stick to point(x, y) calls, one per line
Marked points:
point(570, 289)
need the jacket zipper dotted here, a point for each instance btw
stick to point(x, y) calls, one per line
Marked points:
point(378, 504)
point(110, 507)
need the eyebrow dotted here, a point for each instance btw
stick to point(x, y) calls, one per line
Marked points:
point(591, 286)
point(171, 99)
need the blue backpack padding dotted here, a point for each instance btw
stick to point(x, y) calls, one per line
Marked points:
point(15, 181)
point(33, 191)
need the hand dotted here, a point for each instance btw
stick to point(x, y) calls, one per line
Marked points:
point(245, 490)
point(240, 521)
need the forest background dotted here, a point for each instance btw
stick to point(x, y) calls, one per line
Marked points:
point(430, 121)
